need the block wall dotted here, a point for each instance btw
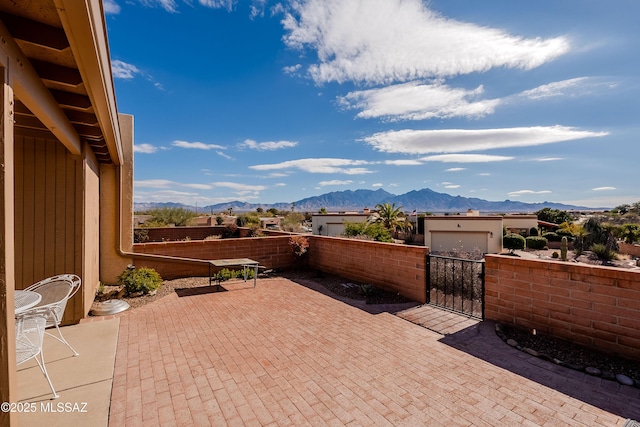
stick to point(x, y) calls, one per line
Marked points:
point(591, 305)
point(398, 268)
point(271, 252)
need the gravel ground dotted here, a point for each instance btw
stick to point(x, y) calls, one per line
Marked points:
point(574, 354)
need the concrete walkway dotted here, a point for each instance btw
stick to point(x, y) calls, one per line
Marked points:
point(285, 354)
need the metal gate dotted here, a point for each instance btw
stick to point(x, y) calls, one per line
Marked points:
point(456, 284)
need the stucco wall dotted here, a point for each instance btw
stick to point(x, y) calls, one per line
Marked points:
point(456, 226)
point(591, 305)
point(332, 224)
point(399, 268)
point(633, 250)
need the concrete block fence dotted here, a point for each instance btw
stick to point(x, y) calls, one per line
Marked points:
point(592, 305)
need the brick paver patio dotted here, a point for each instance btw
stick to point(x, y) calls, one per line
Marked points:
point(283, 354)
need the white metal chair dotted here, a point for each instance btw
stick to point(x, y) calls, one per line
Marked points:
point(30, 327)
point(56, 291)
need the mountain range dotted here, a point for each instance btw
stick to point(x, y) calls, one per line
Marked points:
point(424, 200)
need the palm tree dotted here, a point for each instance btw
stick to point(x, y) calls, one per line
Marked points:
point(388, 215)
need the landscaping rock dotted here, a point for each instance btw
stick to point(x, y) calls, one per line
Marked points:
point(624, 380)
point(532, 352)
point(593, 371)
point(512, 342)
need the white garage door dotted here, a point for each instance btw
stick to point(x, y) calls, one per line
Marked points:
point(466, 241)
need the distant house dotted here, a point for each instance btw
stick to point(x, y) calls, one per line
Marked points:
point(271, 223)
point(332, 224)
point(520, 224)
point(463, 233)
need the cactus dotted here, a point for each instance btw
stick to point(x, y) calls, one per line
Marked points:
point(563, 248)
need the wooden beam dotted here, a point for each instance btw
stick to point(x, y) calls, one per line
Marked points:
point(57, 73)
point(28, 87)
point(89, 132)
point(35, 32)
point(26, 121)
point(84, 22)
point(69, 99)
point(8, 373)
point(80, 117)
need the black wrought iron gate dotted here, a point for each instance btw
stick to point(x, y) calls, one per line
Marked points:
point(456, 284)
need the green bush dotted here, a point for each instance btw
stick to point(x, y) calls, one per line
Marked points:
point(552, 237)
point(555, 255)
point(513, 241)
point(226, 274)
point(368, 231)
point(141, 279)
point(534, 242)
point(602, 252)
point(533, 231)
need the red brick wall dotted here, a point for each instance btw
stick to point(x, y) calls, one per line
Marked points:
point(628, 249)
point(399, 268)
point(271, 252)
point(591, 305)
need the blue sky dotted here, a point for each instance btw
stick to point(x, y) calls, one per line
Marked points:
point(273, 101)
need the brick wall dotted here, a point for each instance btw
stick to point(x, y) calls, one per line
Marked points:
point(633, 250)
point(271, 252)
point(399, 268)
point(595, 306)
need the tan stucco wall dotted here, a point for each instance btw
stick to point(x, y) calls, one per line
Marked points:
point(455, 226)
point(91, 225)
point(115, 235)
point(332, 224)
point(524, 222)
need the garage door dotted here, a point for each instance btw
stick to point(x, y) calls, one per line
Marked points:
point(460, 240)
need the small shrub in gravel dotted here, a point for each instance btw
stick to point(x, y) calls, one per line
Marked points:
point(142, 279)
point(535, 242)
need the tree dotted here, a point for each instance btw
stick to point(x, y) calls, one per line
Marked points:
point(323, 211)
point(388, 215)
point(273, 211)
point(555, 216)
point(259, 210)
point(630, 233)
point(163, 217)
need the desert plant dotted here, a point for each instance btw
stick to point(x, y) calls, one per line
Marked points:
point(602, 252)
point(563, 248)
point(551, 236)
point(162, 217)
point(219, 220)
point(226, 274)
point(630, 233)
point(555, 255)
point(367, 231)
point(513, 241)
point(230, 230)
point(299, 245)
point(533, 231)
point(535, 242)
point(140, 235)
point(141, 279)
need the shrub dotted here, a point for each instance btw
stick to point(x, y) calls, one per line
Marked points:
point(226, 274)
point(533, 231)
point(602, 252)
point(367, 231)
point(551, 236)
point(555, 255)
point(140, 235)
point(513, 241)
point(299, 245)
point(141, 279)
point(230, 230)
point(534, 242)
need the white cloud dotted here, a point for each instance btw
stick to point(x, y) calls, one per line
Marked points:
point(403, 162)
point(257, 8)
point(277, 175)
point(455, 169)
point(266, 146)
point(334, 182)
point(218, 4)
point(522, 192)
point(465, 158)
point(226, 156)
point(239, 187)
point(122, 70)
point(457, 140)
point(415, 101)
point(110, 7)
point(548, 159)
point(484, 174)
point(603, 188)
point(154, 183)
point(144, 148)
point(377, 185)
point(293, 69)
point(281, 184)
point(579, 86)
point(197, 145)
point(320, 165)
point(168, 5)
point(451, 186)
point(384, 41)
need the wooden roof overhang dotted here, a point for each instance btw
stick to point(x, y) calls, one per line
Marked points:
point(58, 58)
